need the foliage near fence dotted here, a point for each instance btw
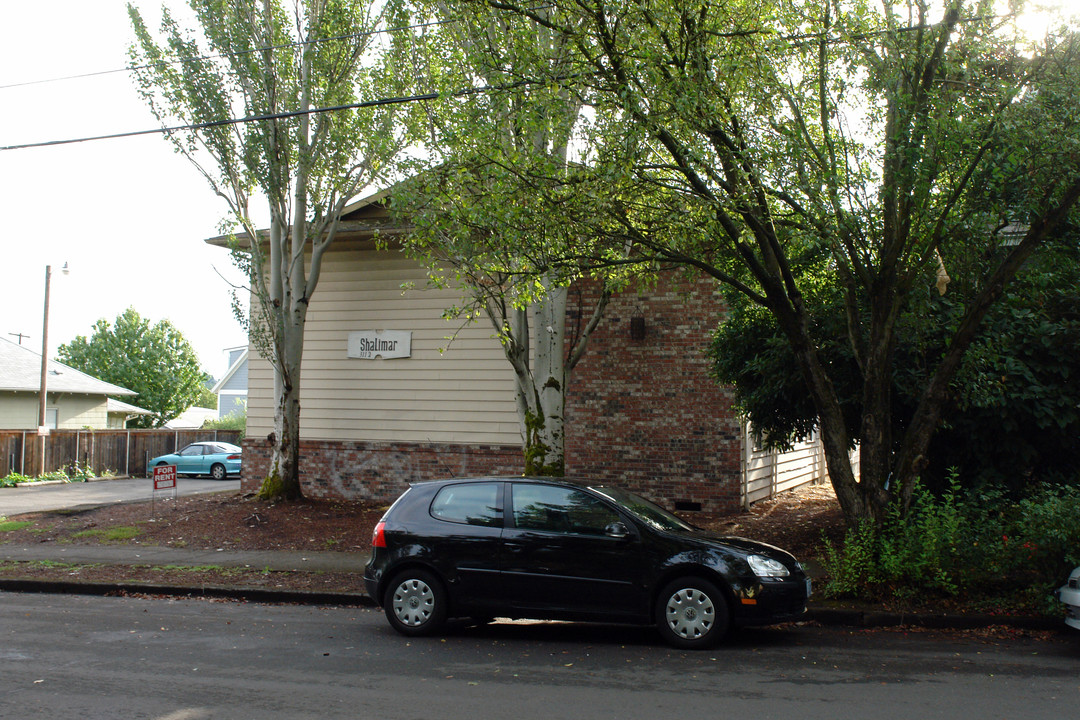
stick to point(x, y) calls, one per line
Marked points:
point(121, 452)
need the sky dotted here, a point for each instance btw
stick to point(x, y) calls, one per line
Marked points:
point(128, 216)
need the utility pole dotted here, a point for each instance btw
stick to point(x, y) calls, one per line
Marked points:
point(42, 429)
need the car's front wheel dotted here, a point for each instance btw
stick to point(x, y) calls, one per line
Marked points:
point(415, 603)
point(217, 471)
point(691, 613)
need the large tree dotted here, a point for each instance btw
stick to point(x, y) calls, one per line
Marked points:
point(473, 225)
point(278, 103)
point(745, 139)
point(1013, 414)
point(156, 361)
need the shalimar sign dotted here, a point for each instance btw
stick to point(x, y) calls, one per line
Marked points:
point(387, 344)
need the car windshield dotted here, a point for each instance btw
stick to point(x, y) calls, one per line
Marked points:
point(645, 510)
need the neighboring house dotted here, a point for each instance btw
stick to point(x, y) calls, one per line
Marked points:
point(193, 417)
point(391, 392)
point(74, 400)
point(121, 412)
point(232, 389)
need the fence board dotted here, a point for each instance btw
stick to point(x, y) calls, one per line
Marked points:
point(120, 452)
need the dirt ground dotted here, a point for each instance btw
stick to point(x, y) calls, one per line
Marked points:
point(795, 521)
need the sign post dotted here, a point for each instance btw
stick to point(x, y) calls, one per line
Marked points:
point(164, 478)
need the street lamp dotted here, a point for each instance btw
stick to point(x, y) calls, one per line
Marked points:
point(43, 430)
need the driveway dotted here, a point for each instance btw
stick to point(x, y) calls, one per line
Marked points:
point(69, 496)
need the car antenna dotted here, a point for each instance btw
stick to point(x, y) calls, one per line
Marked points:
point(439, 459)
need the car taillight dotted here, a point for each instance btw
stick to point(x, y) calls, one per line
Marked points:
point(378, 538)
point(233, 457)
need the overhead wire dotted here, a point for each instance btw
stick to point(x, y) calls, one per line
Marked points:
point(797, 39)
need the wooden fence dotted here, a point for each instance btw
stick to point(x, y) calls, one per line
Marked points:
point(121, 452)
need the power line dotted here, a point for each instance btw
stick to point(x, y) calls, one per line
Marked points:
point(223, 56)
point(280, 116)
point(229, 121)
point(382, 101)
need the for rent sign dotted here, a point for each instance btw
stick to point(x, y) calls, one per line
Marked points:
point(164, 477)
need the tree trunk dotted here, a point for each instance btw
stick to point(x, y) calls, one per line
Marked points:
point(544, 441)
point(283, 479)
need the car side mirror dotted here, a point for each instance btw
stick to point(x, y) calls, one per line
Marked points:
point(616, 530)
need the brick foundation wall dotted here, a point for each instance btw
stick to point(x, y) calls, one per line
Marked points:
point(645, 414)
point(378, 472)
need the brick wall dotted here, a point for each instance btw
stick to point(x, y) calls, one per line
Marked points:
point(646, 414)
point(378, 472)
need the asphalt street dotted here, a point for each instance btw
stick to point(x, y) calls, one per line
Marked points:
point(64, 656)
point(39, 498)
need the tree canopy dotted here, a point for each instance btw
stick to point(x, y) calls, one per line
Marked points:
point(1013, 412)
point(153, 360)
point(888, 147)
point(472, 221)
point(279, 105)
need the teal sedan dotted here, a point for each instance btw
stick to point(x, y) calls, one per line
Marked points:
point(216, 459)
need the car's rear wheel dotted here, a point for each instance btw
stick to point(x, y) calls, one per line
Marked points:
point(415, 603)
point(217, 471)
point(692, 613)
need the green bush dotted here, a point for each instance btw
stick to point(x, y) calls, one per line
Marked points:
point(236, 420)
point(72, 473)
point(12, 479)
point(79, 473)
point(983, 548)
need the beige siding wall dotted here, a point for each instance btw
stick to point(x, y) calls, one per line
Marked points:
point(80, 411)
point(462, 395)
point(769, 472)
point(19, 411)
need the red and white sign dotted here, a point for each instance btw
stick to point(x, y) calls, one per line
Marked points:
point(164, 477)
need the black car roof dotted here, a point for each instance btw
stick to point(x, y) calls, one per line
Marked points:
point(547, 480)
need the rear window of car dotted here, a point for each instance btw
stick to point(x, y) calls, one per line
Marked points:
point(469, 503)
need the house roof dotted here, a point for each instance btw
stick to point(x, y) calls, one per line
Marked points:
point(193, 417)
point(361, 219)
point(113, 405)
point(20, 371)
point(240, 360)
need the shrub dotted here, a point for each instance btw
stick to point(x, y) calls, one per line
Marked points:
point(236, 420)
point(12, 479)
point(983, 547)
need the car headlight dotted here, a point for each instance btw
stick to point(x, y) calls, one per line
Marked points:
point(765, 567)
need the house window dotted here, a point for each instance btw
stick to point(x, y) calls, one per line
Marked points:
point(52, 418)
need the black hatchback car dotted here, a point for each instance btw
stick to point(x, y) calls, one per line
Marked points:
point(553, 549)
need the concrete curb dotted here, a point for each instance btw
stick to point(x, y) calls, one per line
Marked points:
point(879, 619)
point(60, 587)
point(824, 616)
